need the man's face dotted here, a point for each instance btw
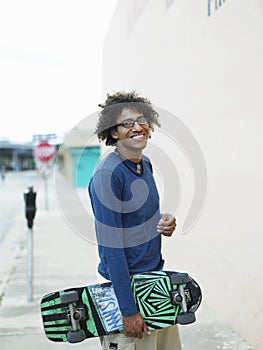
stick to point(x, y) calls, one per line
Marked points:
point(133, 138)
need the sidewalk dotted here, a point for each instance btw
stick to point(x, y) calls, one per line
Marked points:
point(58, 255)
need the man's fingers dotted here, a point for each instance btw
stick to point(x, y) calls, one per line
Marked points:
point(146, 330)
point(134, 326)
point(166, 224)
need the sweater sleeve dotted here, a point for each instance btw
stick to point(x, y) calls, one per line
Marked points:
point(105, 197)
point(120, 277)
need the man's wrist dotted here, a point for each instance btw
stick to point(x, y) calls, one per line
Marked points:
point(136, 313)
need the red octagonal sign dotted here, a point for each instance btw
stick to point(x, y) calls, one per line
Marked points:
point(44, 152)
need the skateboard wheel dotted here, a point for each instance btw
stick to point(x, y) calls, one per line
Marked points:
point(186, 318)
point(69, 297)
point(76, 336)
point(179, 278)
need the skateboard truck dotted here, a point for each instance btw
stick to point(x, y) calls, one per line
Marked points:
point(75, 315)
point(179, 298)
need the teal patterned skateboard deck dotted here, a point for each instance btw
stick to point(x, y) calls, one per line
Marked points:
point(164, 298)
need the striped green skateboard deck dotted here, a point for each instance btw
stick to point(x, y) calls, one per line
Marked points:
point(164, 298)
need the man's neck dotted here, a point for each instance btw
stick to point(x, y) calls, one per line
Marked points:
point(133, 156)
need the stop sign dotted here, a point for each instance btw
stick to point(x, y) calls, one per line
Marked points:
point(44, 152)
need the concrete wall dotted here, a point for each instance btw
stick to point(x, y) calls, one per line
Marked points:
point(207, 70)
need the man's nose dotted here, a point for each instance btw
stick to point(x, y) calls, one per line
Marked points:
point(136, 126)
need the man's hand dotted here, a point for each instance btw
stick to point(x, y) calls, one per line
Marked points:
point(134, 326)
point(166, 225)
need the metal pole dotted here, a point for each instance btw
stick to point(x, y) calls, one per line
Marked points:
point(30, 265)
point(46, 193)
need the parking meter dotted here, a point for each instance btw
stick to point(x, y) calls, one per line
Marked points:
point(30, 202)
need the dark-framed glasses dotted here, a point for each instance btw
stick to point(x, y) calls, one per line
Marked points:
point(129, 123)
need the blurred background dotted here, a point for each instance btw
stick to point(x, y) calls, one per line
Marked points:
point(201, 60)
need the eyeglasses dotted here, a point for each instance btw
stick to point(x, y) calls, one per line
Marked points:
point(129, 123)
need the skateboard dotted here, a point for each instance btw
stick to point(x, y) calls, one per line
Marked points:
point(164, 298)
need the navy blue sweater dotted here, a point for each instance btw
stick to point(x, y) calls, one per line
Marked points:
point(126, 210)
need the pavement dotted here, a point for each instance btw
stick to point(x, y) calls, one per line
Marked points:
point(58, 255)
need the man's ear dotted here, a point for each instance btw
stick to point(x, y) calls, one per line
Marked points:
point(114, 134)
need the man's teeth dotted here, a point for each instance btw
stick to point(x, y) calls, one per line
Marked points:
point(137, 137)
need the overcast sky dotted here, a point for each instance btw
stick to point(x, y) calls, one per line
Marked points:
point(50, 64)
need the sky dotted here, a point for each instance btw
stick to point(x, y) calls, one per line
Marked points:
point(50, 64)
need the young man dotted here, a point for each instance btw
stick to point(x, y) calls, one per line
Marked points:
point(128, 222)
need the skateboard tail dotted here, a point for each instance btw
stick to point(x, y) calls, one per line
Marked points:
point(55, 327)
point(165, 298)
point(56, 316)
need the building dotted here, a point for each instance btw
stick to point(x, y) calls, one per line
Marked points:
point(201, 60)
point(78, 156)
point(80, 151)
point(16, 156)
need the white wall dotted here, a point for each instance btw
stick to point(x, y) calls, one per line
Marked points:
point(207, 70)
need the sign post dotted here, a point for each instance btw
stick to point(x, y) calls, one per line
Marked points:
point(44, 154)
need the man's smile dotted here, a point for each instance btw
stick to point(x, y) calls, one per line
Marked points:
point(138, 136)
